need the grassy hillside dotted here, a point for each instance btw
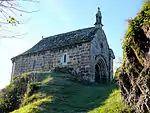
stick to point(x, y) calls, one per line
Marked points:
point(55, 93)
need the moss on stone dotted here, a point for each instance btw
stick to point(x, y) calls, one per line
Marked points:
point(134, 35)
point(133, 76)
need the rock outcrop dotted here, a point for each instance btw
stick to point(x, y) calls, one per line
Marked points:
point(134, 79)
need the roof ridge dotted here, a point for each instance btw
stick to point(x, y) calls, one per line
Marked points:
point(68, 32)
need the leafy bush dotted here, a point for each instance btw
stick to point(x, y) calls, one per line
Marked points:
point(12, 95)
point(117, 73)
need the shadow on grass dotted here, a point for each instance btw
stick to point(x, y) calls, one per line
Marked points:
point(72, 97)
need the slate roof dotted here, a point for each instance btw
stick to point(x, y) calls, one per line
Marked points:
point(62, 40)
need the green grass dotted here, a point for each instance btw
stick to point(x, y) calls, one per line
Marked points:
point(113, 105)
point(56, 94)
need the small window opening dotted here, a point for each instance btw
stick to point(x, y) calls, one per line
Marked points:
point(65, 58)
point(101, 45)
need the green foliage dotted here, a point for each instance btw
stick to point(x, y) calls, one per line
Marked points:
point(141, 19)
point(33, 107)
point(12, 95)
point(12, 20)
point(31, 88)
point(133, 45)
point(136, 23)
point(30, 99)
point(117, 73)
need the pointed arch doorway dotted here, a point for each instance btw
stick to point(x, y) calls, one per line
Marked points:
point(101, 75)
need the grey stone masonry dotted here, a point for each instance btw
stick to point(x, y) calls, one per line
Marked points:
point(86, 51)
point(78, 57)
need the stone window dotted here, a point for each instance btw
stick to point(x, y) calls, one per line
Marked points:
point(64, 59)
point(65, 56)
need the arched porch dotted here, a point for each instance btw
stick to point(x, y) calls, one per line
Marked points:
point(101, 72)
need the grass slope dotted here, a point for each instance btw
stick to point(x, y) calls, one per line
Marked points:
point(57, 94)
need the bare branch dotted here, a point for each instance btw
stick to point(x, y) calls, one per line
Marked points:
point(10, 13)
point(19, 36)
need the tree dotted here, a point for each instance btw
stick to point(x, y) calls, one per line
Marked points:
point(11, 12)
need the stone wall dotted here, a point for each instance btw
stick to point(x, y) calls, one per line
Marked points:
point(100, 48)
point(111, 58)
point(78, 57)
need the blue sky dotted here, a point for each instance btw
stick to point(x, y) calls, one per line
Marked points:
point(58, 16)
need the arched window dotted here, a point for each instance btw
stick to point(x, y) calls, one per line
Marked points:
point(64, 59)
point(65, 56)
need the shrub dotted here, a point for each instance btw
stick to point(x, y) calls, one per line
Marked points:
point(12, 95)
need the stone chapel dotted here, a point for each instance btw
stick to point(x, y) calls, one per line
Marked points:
point(86, 51)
